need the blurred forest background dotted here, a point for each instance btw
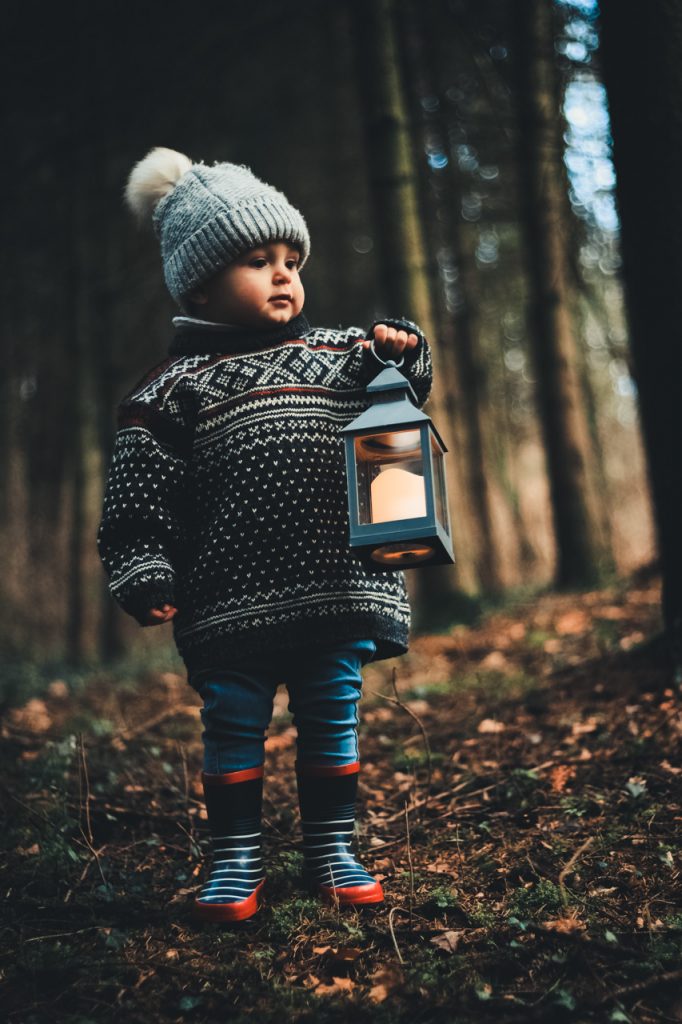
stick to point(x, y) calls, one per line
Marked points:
point(454, 162)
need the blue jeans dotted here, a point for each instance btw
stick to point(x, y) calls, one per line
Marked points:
point(324, 686)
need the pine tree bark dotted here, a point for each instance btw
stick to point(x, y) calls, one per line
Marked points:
point(559, 397)
point(423, 27)
point(645, 102)
point(80, 381)
point(400, 242)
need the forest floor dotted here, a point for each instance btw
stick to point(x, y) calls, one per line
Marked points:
point(520, 801)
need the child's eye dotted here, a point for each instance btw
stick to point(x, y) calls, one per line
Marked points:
point(258, 261)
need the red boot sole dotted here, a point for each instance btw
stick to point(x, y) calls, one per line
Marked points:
point(223, 912)
point(353, 895)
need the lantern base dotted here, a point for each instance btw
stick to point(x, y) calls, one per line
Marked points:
point(402, 555)
point(394, 554)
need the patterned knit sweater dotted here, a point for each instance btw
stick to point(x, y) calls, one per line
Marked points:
point(227, 492)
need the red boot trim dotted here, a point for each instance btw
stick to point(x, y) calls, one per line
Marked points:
point(352, 895)
point(231, 777)
point(321, 771)
point(230, 911)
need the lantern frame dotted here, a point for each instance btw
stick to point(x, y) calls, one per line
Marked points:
point(395, 407)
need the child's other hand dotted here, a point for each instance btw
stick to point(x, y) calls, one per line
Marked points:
point(156, 616)
point(390, 343)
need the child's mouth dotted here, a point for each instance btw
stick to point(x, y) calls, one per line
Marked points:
point(280, 298)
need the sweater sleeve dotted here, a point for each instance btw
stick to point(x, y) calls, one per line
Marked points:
point(418, 367)
point(141, 530)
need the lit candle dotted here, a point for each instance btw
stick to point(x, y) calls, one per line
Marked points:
point(397, 494)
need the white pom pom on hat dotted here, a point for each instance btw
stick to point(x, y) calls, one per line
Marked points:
point(153, 178)
point(205, 217)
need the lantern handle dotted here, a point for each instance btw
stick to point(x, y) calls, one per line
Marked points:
point(386, 362)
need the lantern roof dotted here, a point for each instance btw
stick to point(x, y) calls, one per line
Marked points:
point(394, 403)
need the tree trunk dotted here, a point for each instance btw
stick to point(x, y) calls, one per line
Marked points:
point(646, 117)
point(79, 384)
point(423, 28)
point(559, 397)
point(400, 243)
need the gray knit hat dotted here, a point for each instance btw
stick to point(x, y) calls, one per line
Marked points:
point(206, 216)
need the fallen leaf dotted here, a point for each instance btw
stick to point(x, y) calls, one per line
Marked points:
point(33, 716)
point(560, 775)
point(612, 612)
point(282, 741)
point(419, 707)
point(631, 639)
point(494, 660)
point(448, 940)
point(28, 851)
point(572, 623)
point(342, 960)
point(441, 866)
point(490, 725)
point(337, 985)
point(58, 689)
point(386, 979)
point(564, 925)
point(589, 725)
point(319, 950)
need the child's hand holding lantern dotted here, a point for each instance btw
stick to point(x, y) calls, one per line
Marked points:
point(390, 342)
point(156, 616)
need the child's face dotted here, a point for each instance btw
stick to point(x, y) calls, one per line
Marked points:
point(247, 292)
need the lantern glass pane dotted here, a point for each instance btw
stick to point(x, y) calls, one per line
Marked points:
point(390, 475)
point(439, 485)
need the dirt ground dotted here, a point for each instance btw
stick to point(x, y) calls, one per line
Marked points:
point(520, 801)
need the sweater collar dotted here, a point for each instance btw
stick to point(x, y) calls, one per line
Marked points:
point(198, 336)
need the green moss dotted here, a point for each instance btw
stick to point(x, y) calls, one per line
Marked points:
point(543, 896)
point(537, 638)
point(444, 897)
point(482, 916)
point(405, 761)
point(284, 867)
point(425, 690)
point(291, 916)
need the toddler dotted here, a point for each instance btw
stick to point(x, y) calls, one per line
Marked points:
point(226, 511)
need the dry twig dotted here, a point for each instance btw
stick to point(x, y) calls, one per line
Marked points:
point(397, 701)
point(567, 867)
point(409, 860)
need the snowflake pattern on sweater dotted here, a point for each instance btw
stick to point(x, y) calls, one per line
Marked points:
point(227, 494)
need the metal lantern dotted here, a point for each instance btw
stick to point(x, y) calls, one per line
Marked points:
point(397, 495)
